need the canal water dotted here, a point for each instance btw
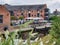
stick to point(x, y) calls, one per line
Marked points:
point(41, 33)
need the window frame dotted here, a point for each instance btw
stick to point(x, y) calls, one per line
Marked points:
point(1, 19)
point(29, 14)
point(38, 14)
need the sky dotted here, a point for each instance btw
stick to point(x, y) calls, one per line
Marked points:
point(51, 4)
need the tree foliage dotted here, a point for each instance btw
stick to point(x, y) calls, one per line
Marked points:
point(55, 30)
point(13, 18)
point(21, 17)
point(53, 18)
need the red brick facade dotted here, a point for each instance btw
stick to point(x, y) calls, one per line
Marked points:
point(6, 17)
point(33, 12)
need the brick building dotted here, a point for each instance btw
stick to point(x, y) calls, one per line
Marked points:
point(28, 10)
point(21, 10)
point(4, 17)
point(56, 12)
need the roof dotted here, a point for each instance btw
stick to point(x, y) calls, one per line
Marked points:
point(23, 7)
point(2, 7)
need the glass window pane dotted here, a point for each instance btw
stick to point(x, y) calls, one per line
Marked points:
point(1, 18)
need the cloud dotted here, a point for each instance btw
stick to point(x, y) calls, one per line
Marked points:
point(26, 1)
point(52, 4)
point(1, 2)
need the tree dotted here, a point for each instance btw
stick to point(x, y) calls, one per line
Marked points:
point(53, 18)
point(14, 18)
point(55, 30)
point(21, 17)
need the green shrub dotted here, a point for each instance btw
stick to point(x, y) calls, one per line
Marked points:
point(53, 18)
point(55, 30)
point(21, 17)
point(13, 18)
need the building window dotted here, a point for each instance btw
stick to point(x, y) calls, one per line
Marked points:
point(29, 12)
point(32, 15)
point(35, 15)
point(32, 10)
point(46, 10)
point(46, 14)
point(41, 11)
point(1, 18)
point(17, 15)
point(38, 15)
point(11, 13)
point(38, 11)
point(21, 13)
point(29, 15)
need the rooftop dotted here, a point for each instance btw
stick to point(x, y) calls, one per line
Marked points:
point(23, 7)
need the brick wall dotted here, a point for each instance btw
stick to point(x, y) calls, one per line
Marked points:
point(33, 12)
point(6, 17)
